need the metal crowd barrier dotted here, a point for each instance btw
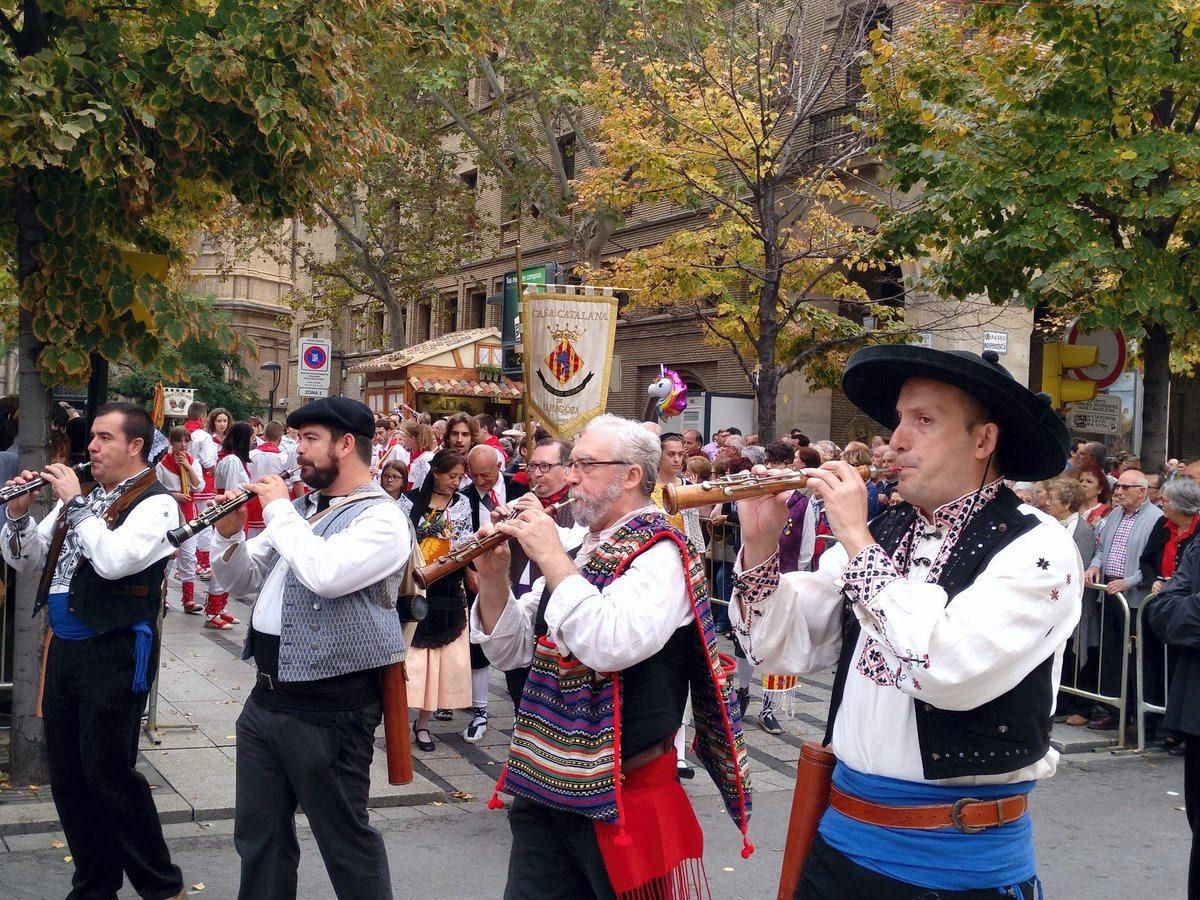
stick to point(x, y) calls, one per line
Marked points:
point(1144, 706)
point(1120, 700)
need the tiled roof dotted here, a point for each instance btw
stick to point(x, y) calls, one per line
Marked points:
point(467, 387)
point(418, 352)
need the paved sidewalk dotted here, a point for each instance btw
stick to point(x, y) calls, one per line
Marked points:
point(203, 683)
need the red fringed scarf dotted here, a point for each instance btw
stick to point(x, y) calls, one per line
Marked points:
point(186, 507)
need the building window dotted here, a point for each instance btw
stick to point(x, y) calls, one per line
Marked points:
point(470, 178)
point(447, 314)
point(477, 309)
point(424, 322)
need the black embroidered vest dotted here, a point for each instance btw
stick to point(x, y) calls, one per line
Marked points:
point(1004, 734)
point(105, 605)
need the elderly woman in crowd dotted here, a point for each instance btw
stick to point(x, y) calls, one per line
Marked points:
point(1164, 548)
point(1097, 493)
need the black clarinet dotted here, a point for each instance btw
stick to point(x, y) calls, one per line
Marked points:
point(13, 491)
point(214, 514)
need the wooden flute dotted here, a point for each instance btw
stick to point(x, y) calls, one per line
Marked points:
point(457, 559)
point(741, 486)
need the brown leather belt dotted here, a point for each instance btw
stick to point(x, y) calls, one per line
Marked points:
point(968, 815)
point(651, 753)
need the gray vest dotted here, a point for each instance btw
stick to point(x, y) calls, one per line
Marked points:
point(327, 636)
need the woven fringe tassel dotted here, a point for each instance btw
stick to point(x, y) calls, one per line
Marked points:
point(142, 643)
point(687, 881)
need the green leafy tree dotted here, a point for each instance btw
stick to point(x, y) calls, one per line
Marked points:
point(123, 128)
point(1052, 155)
point(721, 123)
point(215, 370)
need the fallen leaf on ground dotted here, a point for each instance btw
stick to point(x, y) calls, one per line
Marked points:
point(230, 737)
point(35, 787)
point(198, 886)
point(68, 858)
point(1181, 809)
point(728, 869)
point(206, 824)
point(436, 803)
point(57, 845)
point(462, 795)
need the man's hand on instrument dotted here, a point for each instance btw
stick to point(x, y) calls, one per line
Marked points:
point(269, 488)
point(844, 493)
point(21, 505)
point(516, 507)
point(539, 538)
point(232, 523)
point(63, 480)
point(762, 519)
point(494, 563)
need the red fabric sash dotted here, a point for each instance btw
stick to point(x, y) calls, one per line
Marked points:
point(658, 854)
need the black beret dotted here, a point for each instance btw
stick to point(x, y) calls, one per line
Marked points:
point(349, 415)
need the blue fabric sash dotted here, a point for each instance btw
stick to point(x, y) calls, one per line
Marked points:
point(945, 859)
point(69, 627)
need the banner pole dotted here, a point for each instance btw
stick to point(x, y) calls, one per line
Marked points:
point(525, 371)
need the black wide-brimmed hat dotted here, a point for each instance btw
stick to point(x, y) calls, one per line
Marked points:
point(1033, 440)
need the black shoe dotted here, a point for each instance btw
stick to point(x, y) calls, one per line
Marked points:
point(425, 743)
point(683, 770)
point(443, 715)
point(743, 696)
point(768, 723)
point(1175, 750)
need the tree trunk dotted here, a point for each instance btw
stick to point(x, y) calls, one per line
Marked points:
point(27, 747)
point(1156, 380)
point(766, 393)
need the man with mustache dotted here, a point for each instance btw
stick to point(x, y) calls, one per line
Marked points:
point(326, 568)
point(615, 637)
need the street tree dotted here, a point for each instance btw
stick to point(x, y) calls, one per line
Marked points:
point(722, 123)
point(124, 128)
point(214, 369)
point(1051, 156)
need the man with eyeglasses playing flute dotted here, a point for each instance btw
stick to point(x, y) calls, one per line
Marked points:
point(615, 637)
point(946, 615)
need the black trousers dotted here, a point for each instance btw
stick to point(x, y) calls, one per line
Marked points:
point(1191, 797)
point(320, 761)
point(831, 875)
point(105, 805)
point(554, 856)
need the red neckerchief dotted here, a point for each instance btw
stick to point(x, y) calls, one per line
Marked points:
point(193, 425)
point(555, 498)
point(188, 506)
point(268, 447)
point(1171, 550)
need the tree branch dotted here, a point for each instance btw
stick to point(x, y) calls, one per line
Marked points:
point(10, 29)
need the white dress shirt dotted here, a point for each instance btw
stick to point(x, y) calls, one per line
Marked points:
point(140, 540)
point(368, 550)
point(1019, 610)
point(610, 630)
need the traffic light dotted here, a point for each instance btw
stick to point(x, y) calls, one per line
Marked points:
point(1058, 359)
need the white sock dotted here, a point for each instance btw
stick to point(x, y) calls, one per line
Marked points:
point(745, 670)
point(479, 686)
point(681, 743)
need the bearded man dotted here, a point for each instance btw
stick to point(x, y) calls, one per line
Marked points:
point(615, 636)
point(947, 617)
point(327, 569)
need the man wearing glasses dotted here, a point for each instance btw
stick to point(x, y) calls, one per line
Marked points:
point(1116, 564)
point(615, 637)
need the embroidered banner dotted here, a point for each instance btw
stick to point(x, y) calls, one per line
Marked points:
point(567, 334)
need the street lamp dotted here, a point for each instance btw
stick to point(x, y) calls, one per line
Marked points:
point(276, 370)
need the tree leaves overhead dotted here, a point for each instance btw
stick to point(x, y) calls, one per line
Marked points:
point(714, 118)
point(1056, 153)
point(128, 128)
